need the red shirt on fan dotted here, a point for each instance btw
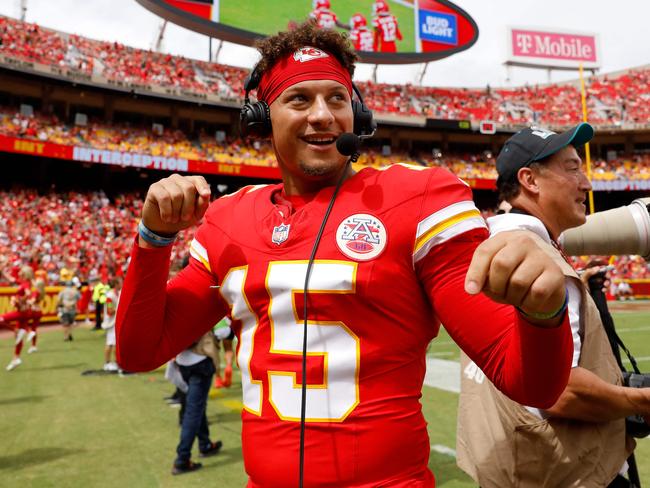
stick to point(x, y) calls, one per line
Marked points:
point(390, 267)
point(386, 32)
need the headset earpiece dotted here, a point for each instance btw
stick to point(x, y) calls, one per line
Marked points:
point(254, 118)
point(364, 123)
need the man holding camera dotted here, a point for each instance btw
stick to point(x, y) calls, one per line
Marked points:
point(581, 440)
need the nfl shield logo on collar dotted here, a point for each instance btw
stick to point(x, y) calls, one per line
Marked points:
point(280, 233)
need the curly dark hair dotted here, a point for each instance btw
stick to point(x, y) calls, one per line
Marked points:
point(280, 45)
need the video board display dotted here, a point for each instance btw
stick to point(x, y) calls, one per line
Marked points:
point(382, 31)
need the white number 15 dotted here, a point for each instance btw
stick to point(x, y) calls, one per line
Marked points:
point(338, 394)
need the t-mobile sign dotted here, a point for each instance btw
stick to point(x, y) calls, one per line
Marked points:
point(558, 49)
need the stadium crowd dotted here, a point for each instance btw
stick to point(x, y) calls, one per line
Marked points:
point(130, 138)
point(174, 143)
point(86, 234)
point(91, 235)
point(613, 100)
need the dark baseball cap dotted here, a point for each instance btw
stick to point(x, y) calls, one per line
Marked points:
point(535, 143)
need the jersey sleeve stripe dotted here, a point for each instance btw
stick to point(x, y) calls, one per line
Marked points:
point(444, 225)
point(455, 228)
point(443, 214)
point(198, 252)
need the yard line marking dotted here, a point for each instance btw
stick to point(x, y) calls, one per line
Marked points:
point(633, 329)
point(641, 359)
point(447, 451)
point(443, 374)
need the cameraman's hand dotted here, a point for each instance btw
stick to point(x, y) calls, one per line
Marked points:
point(511, 268)
point(175, 203)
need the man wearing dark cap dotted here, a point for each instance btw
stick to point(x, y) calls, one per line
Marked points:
point(580, 441)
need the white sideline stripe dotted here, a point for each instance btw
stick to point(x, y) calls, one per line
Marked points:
point(443, 374)
point(447, 451)
point(642, 359)
point(633, 329)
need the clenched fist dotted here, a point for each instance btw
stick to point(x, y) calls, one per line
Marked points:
point(175, 203)
point(511, 268)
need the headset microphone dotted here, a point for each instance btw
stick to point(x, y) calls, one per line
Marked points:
point(348, 145)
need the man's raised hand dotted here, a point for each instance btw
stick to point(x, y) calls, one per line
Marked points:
point(511, 268)
point(175, 203)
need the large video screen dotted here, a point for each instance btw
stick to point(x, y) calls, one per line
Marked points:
point(382, 31)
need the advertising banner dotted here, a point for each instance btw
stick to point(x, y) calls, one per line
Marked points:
point(438, 27)
point(134, 160)
point(556, 49)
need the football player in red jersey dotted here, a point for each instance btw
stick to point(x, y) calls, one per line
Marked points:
point(35, 302)
point(386, 28)
point(403, 250)
point(22, 314)
point(360, 36)
point(323, 15)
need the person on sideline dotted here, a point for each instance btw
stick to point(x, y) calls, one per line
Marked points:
point(108, 324)
point(580, 440)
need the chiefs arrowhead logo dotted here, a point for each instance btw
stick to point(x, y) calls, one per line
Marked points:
point(308, 53)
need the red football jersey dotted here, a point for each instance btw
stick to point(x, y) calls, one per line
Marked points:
point(387, 32)
point(325, 19)
point(22, 296)
point(362, 39)
point(390, 266)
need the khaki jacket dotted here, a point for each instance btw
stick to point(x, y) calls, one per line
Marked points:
point(501, 444)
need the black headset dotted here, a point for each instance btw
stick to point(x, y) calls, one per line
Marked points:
point(255, 118)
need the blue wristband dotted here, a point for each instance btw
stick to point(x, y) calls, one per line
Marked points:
point(548, 315)
point(152, 238)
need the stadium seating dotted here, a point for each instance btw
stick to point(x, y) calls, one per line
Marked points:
point(613, 101)
point(174, 143)
point(85, 232)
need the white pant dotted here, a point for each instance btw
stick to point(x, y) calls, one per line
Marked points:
point(110, 336)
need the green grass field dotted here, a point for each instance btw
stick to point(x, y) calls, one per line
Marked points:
point(255, 15)
point(62, 429)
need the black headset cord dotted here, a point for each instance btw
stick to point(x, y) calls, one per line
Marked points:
point(303, 399)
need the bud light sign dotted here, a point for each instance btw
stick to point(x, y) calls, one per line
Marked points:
point(554, 49)
point(438, 27)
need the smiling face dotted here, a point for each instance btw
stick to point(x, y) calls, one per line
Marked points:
point(307, 118)
point(563, 189)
